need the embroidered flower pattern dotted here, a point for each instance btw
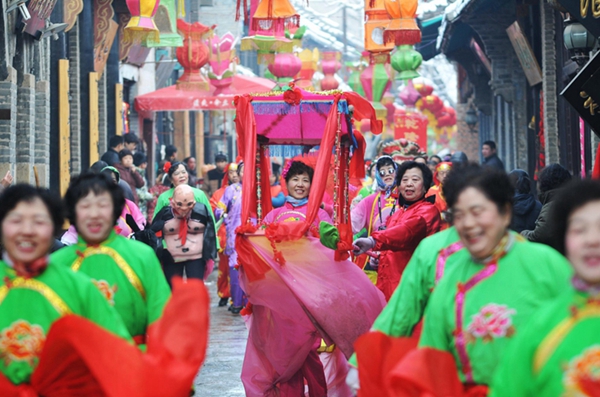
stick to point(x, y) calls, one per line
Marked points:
point(492, 321)
point(21, 341)
point(582, 376)
point(106, 290)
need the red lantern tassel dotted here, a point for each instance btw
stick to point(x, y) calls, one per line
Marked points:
point(238, 13)
point(402, 31)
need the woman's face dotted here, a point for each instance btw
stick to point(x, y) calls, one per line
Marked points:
point(27, 231)
point(411, 185)
point(479, 223)
point(233, 176)
point(94, 217)
point(179, 176)
point(387, 174)
point(299, 186)
point(582, 242)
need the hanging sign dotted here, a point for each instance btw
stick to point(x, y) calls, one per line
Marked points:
point(412, 127)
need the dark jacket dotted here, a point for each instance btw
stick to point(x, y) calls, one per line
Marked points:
point(111, 157)
point(494, 161)
point(542, 232)
point(525, 212)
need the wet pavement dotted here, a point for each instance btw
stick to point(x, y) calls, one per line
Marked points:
point(220, 374)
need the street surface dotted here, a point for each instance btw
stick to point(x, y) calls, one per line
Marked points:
point(220, 374)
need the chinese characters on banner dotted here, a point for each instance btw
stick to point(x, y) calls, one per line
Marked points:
point(412, 127)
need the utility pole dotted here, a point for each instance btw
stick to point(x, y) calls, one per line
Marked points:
point(345, 41)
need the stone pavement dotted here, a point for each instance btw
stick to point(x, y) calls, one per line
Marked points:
point(220, 374)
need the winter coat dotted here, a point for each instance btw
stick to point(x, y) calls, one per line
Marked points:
point(494, 161)
point(404, 231)
point(133, 179)
point(525, 211)
point(542, 232)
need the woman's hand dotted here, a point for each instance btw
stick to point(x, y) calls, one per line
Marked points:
point(352, 380)
point(362, 245)
point(374, 262)
point(7, 180)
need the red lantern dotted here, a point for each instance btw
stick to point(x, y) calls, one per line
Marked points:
point(423, 89)
point(192, 56)
point(285, 66)
point(141, 25)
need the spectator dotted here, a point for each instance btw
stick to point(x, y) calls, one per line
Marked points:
point(215, 177)
point(421, 159)
point(436, 159)
point(131, 142)
point(459, 158)
point(550, 180)
point(97, 168)
point(141, 163)
point(171, 153)
point(490, 158)
point(191, 164)
point(111, 157)
point(128, 173)
point(525, 207)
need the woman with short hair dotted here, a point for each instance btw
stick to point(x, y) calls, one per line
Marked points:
point(415, 219)
point(558, 352)
point(492, 288)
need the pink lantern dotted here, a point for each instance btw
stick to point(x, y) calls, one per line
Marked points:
point(409, 95)
point(388, 102)
point(330, 64)
point(220, 52)
point(285, 66)
point(329, 83)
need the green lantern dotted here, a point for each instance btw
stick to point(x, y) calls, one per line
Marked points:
point(406, 60)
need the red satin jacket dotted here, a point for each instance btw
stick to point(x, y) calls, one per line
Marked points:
point(404, 231)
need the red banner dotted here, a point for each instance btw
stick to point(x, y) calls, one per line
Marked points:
point(412, 127)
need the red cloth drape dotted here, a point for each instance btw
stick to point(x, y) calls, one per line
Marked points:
point(364, 110)
point(596, 170)
point(246, 129)
point(83, 359)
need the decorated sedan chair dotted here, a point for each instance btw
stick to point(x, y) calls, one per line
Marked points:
point(300, 291)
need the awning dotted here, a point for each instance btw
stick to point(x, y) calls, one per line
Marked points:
point(429, 33)
point(172, 99)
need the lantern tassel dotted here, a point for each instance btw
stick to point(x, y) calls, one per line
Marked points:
point(402, 31)
point(238, 13)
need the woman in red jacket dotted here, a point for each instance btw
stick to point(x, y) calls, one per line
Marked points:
point(415, 219)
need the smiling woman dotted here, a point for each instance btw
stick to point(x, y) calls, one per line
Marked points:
point(491, 289)
point(558, 352)
point(415, 219)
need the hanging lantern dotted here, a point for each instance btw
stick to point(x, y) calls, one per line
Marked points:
point(376, 21)
point(269, 23)
point(285, 67)
point(193, 55)
point(266, 46)
point(309, 61)
point(274, 17)
point(406, 61)
point(423, 88)
point(409, 95)
point(403, 27)
point(141, 25)
point(354, 78)
point(376, 80)
point(221, 53)
point(330, 64)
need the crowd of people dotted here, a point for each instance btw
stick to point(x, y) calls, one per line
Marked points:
point(459, 281)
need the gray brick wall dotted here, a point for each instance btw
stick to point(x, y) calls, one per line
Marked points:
point(25, 134)
point(466, 141)
point(549, 84)
point(74, 103)
point(507, 81)
point(8, 100)
point(42, 131)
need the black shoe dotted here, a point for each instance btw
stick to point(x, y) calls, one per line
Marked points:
point(223, 302)
point(236, 309)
